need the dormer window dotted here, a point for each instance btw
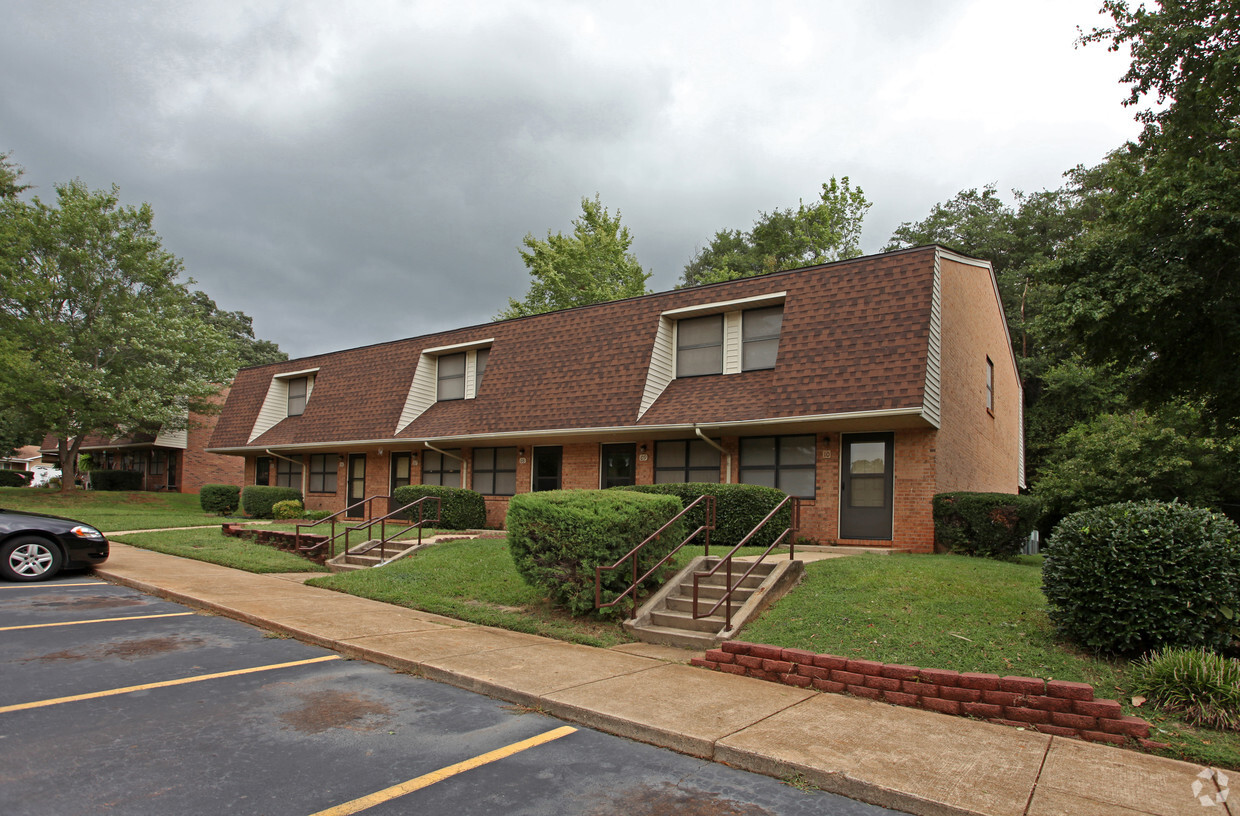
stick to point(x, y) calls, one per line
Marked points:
point(480, 367)
point(699, 346)
point(451, 377)
point(297, 392)
point(760, 337)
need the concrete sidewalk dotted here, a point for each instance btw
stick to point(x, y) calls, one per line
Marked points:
point(918, 761)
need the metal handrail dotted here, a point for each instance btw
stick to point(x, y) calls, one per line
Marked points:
point(709, 502)
point(382, 521)
point(331, 541)
point(789, 533)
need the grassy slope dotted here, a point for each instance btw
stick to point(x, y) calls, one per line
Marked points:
point(110, 510)
point(953, 612)
point(213, 546)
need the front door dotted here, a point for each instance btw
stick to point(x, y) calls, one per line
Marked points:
point(619, 466)
point(357, 485)
point(866, 505)
point(546, 468)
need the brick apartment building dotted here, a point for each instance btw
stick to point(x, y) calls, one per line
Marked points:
point(863, 386)
point(175, 461)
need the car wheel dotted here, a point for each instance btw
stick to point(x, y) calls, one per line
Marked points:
point(30, 558)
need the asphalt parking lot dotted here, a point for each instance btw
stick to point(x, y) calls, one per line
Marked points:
point(112, 701)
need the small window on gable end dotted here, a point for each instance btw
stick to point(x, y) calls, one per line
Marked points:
point(451, 377)
point(297, 388)
point(699, 346)
point(480, 368)
point(760, 337)
point(990, 386)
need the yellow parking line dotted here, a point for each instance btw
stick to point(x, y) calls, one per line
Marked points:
point(96, 620)
point(162, 684)
point(388, 794)
point(52, 586)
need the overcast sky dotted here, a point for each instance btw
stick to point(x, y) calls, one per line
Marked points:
point(351, 173)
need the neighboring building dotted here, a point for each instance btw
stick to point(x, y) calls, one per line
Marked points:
point(25, 459)
point(864, 387)
point(176, 461)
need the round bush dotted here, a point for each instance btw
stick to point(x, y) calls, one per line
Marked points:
point(459, 509)
point(288, 509)
point(558, 537)
point(219, 498)
point(1128, 578)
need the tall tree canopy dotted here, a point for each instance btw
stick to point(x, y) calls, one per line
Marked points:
point(826, 230)
point(592, 265)
point(100, 337)
point(238, 328)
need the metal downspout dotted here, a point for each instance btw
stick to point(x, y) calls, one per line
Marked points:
point(305, 488)
point(727, 456)
point(461, 459)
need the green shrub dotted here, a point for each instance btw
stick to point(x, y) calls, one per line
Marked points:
point(991, 525)
point(257, 500)
point(316, 515)
point(459, 509)
point(14, 478)
point(558, 537)
point(288, 509)
point(1128, 578)
point(116, 480)
point(738, 509)
point(1200, 686)
point(220, 498)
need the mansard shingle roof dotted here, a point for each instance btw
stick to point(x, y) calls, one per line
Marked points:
point(855, 338)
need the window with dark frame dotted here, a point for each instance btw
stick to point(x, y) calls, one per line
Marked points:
point(618, 465)
point(990, 385)
point(402, 470)
point(451, 377)
point(288, 474)
point(262, 470)
point(760, 337)
point(158, 458)
point(495, 471)
point(297, 388)
point(441, 470)
point(480, 368)
point(323, 472)
point(685, 460)
point(784, 462)
point(699, 346)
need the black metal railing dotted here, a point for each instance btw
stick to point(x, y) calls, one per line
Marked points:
point(788, 535)
point(708, 505)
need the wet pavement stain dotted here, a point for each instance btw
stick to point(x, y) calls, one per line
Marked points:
point(669, 800)
point(125, 650)
point(70, 602)
point(323, 710)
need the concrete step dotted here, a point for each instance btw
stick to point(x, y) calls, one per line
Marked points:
point(686, 621)
point(667, 636)
point(684, 603)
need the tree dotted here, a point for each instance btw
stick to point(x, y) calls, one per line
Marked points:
point(1154, 285)
point(593, 265)
point(101, 337)
point(238, 328)
point(10, 178)
point(827, 230)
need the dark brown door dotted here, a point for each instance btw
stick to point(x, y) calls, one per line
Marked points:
point(546, 468)
point(357, 485)
point(866, 505)
point(619, 466)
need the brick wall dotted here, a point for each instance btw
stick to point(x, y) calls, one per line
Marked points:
point(976, 450)
point(1053, 707)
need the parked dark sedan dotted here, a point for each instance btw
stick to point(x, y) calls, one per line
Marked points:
point(34, 547)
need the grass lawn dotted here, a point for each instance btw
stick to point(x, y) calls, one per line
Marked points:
point(111, 510)
point(967, 614)
point(217, 548)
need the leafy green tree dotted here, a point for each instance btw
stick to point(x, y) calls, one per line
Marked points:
point(826, 230)
point(101, 337)
point(593, 265)
point(238, 327)
point(1154, 286)
point(10, 178)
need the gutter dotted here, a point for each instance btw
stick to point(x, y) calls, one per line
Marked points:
point(457, 457)
point(305, 488)
point(727, 456)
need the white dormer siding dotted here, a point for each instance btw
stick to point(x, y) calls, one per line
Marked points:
point(174, 439)
point(275, 405)
point(423, 390)
point(663, 356)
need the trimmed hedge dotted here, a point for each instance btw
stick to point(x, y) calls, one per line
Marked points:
point(1131, 577)
point(14, 478)
point(257, 500)
point(220, 498)
point(288, 509)
point(558, 537)
point(459, 509)
point(991, 525)
point(116, 480)
point(738, 509)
